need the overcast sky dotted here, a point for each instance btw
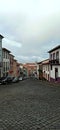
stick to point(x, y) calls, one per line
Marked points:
point(30, 27)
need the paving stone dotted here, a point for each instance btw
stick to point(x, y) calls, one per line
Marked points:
point(30, 105)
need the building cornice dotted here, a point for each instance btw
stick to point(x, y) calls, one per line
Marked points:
point(1, 36)
point(57, 47)
point(6, 50)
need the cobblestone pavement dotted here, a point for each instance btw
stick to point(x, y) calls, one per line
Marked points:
point(30, 105)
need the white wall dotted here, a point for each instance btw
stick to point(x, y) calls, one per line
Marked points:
point(46, 68)
point(52, 72)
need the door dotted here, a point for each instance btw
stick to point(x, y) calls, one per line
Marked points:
point(56, 73)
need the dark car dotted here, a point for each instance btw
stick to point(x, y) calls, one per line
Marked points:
point(16, 79)
point(1, 79)
point(6, 80)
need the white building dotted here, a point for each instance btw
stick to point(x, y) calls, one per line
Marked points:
point(46, 69)
point(54, 58)
point(43, 69)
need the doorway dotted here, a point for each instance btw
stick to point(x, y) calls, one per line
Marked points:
point(56, 74)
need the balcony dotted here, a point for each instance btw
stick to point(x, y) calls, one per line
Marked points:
point(54, 62)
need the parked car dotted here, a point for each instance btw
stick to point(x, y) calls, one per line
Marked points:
point(2, 78)
point(20, 78)
point(25, 77)
point(16, 79)
point(6, 80)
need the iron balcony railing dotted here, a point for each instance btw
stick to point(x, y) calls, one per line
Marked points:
point(54, 61)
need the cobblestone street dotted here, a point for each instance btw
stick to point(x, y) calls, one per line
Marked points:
point(30, 105)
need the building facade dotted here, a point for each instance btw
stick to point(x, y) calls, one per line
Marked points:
point(39, 70)
point(11, 57)
point(18, 70)
point(54, 59)
point(6, 61)
point(16, 67)
point(31, 68)
point(1, 58)
point(46, 69)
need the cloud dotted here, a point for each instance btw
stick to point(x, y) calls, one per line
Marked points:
point(25, 59)
point(13, 46)
point(12, 43)
point(29, 27)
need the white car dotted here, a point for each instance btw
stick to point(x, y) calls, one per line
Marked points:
point(20, 78)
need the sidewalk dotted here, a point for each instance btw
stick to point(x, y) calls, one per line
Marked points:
point(52, 84)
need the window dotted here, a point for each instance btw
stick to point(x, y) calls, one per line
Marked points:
point(6, 55)
point(53, 56)
point(48, 67)
point(51, 67)
point(57, 55)
point(3, 64)
point(3, 54)
point(6, 66)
